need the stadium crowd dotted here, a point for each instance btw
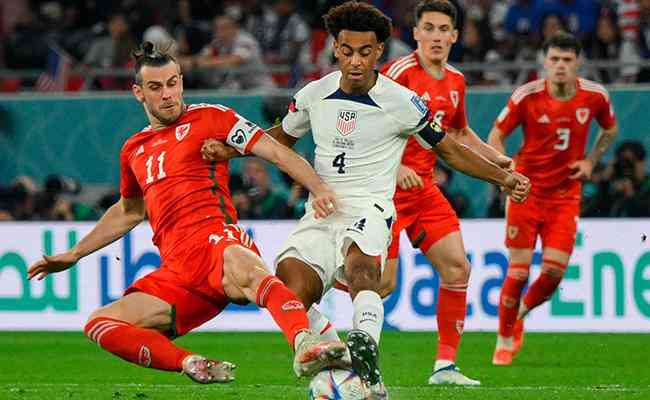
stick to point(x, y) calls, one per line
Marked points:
point(281, 43)
point(250, 44)
point(618, 188)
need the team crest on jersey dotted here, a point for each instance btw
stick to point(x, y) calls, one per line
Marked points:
point(454, 97)
point(582, 115)
point(419, 104)
point(346, 122)
point(182, 131)
point(512, 231)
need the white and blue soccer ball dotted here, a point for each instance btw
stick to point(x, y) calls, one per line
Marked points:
point(337, 384)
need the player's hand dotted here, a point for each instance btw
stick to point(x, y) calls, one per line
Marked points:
point(517, 186)
point(505, 162)
point(214, 150)
point(324, 202)
point(582, 169)
point(408, 179)
point(51, 264)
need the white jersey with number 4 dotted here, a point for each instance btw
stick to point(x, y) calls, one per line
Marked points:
point(359, 138)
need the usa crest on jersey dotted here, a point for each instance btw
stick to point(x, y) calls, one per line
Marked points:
point(346, 122)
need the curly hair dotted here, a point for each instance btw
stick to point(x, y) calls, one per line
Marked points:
point(358, 17)
point(148, 54)
point(442, 6)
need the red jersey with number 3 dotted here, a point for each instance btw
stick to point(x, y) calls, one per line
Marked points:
point(555, 132)
point(445, 98)
point(182, 192)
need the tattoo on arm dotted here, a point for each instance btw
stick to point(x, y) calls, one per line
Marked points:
point(603, 141)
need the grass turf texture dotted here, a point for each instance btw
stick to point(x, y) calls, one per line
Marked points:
point(48, 365)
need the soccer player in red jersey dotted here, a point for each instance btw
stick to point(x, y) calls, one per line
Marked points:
point(555, 114)
point(207, 260)
point(435, 228)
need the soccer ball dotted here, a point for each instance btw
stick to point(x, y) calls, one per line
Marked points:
point(337, 384)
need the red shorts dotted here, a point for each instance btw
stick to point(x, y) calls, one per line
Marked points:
point(427, 218)
point(554, 220)
point(189, 278)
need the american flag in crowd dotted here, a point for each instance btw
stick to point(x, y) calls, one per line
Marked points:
point(56, 74)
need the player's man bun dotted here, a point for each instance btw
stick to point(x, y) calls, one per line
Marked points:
point(358, 17)
point(148, 54)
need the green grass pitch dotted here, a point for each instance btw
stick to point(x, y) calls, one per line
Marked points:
point(48, 365)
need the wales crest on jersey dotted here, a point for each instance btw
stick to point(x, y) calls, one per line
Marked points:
point(346, 122)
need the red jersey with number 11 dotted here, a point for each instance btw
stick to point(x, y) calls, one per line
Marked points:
point(182, 192)
point(555, 132)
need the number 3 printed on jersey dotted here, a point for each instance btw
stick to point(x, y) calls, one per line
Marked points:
point(563, 135)
point(161, 169)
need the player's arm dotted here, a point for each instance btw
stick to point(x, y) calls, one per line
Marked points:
point(119, 219)
point(497, 140)
point(466, 160)
point(323, 199)
point(583, 168)
point(215, 150)
point(469, 138)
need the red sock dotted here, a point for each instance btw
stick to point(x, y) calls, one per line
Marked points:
point(285, 308)
point(510, 296)
point(145, 347)
point(543, 287)
point(452, 307)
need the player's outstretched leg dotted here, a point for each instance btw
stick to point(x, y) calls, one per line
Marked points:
point(363, 275)
point(508, 308)
point(245, 276)
point(114, 329)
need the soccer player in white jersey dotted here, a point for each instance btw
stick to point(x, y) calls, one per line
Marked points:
point(360, 121)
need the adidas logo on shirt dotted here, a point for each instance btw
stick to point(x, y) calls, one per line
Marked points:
point(544, 119)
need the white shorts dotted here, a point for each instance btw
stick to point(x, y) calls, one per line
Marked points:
point(323, 243)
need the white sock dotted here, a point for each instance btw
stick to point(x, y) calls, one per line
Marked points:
point(505, 343)
point(320, 325)
point(441, 364)
point(299, 338)
point(368, 313)
point(523, 310)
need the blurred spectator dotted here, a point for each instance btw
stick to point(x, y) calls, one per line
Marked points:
point(497, 205)
point(607, 44)
point(628, 18)
point(231, 48)
point(629, 182)
point(284, 38)
point(113, 49)
point(25, 45)
point(474, 49)
point(644, 38)
point(551, 24)
point(522, 18)
point(579, 15)
point(52, 205)
point(266, 201)
point(191, 33)
point(18, 200)
point(239, 194)
point(458, 200)
point(622, 189)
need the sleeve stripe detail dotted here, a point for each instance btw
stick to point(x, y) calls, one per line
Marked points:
point(399, 62)
point(256, 137)
point(527, 89)
point(592, 86)
point(395, 74)
point(453, 69)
